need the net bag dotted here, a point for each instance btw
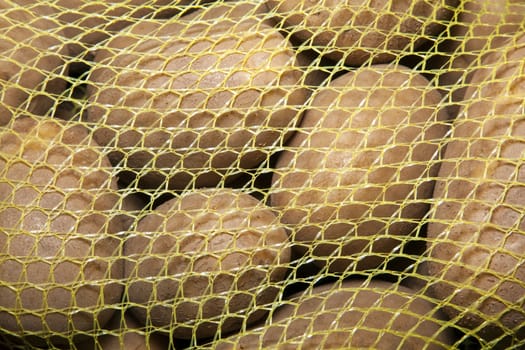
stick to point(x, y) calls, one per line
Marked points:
point(253, 174)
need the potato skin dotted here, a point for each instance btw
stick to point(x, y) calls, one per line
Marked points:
point(57, 242)
point(353, 314)
point(181, 108)
point(357, 175)
point(359, 31)
point(32, 62)
point(205, 263)
point(482, 27)
point(476, 235)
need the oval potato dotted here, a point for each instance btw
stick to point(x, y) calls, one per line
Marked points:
point(361, 31)
point(476, 238)
point(354, 314)
point(59, 275)
point(356, 177)
point(205, 263)
point(183, 102)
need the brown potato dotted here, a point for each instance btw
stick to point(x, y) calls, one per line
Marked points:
point(355, 314)
point(360, 31)
point(205, 263)
point(356, 177)
point(183, 102)
point(32, 64)
point(58, 272)
point(87, 22)
point(482, 27)
point(476, 236)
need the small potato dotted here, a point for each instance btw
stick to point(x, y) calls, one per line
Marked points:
point(205, 263)
point(59, 275)
point(476, 233)
point(360, 31)
point(355, 314)
point(188, 102)
point(32, 61)
point(355, 179)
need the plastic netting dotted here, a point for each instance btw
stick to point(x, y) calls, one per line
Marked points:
point(285, 174)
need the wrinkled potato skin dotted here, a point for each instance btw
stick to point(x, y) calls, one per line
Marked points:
point(190, 106)
point(32, 60)
point(56, 233)
point(476, 234)
point(349, 315)
point(361, 31)
point(209, 249)
point(356, 180)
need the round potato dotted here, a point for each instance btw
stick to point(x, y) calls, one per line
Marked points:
point(361, 31)
point(32, 64)
point(186, 103)
point(354, 179)
point(476, 236)
point(205, 263)
point(357, 314)
point(59, 276)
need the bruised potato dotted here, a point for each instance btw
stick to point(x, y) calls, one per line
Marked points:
point(356, 177)
point(355, 314)
point(205, 263)
point(187, 103)
point(476, 236)
point(32, 62)
point(359, 31)
point(59, 275)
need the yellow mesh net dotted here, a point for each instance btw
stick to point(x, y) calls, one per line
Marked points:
point(284, 174)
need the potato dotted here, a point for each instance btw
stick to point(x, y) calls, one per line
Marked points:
point(482, 27)
point(59, 275)
point(205, 263)
point(476, 239)
point(125, 333)
point(88, 22)
point(358, 31)
point(355, 177)
point(356, 314)
point(32, 62)
point(186, 103)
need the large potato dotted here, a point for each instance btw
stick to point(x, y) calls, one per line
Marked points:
point(183, 102)
point(361, 31)
point(205, 263)
point(355, 314)
point(59, 218)
point(354, 180)
point(477, 228)
point(32, 59)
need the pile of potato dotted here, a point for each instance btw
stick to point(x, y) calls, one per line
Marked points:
point(248, 174)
